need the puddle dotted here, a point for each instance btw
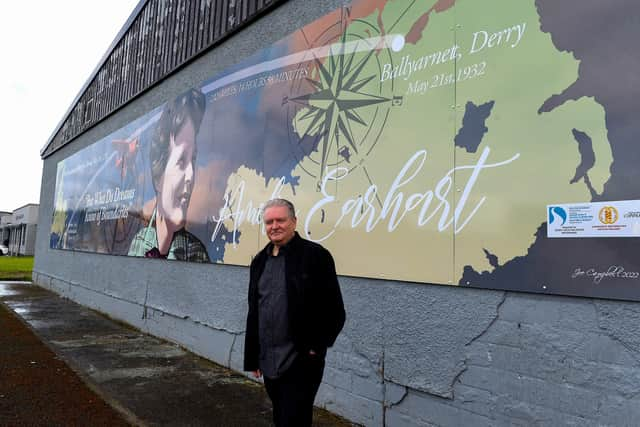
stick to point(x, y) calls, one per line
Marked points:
point(129, 373)
point(8, 289)
point(44, 324)
point(12, 288)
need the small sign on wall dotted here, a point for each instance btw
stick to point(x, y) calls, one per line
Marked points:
point(598, 219)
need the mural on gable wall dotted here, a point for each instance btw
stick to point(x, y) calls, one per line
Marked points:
point(422, 141)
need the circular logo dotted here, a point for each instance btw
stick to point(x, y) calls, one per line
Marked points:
point(608, 215)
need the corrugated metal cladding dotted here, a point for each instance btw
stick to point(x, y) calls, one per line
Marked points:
point(163, 36)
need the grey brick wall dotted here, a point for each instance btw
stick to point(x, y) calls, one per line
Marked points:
point(410, 355)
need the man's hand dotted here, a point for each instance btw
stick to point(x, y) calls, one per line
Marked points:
point(257, 373)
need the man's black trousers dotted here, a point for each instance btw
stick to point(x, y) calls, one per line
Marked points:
point(293, 393)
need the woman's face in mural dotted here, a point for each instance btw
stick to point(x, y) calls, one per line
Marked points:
point(176, 183)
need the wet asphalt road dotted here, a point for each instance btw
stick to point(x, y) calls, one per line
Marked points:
point(148, 381)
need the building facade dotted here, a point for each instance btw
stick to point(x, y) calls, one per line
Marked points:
point(472, 173)
point(5, 218)
point(18, 230)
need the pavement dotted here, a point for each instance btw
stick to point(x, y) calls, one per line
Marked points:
point(64, 364)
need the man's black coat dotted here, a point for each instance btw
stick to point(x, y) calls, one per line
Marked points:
point(316, 310)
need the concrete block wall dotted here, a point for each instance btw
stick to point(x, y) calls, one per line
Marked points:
point(410, 354)
point(415, 355)
point(544, 360)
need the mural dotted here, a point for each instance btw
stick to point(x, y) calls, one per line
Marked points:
point(423, 141)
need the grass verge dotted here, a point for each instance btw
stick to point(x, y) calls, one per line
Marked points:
point(16, 268)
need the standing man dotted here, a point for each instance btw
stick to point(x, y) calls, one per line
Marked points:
point(295, 314)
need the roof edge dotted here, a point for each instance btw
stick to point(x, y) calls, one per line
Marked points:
point(134, 14)
point(24, 206)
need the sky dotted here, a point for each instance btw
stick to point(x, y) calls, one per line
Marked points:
point(49, 50)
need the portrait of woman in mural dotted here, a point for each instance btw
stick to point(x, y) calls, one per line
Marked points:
point(172, 158)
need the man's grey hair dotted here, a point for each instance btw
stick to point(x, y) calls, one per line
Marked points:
point(280, 202)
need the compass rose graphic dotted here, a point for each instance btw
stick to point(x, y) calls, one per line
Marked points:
point(342, 109)
point(335, 105)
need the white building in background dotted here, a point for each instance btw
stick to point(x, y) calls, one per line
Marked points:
point(18, 229)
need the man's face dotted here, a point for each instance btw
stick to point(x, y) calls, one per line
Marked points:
point(280, 227)
point(176, 183)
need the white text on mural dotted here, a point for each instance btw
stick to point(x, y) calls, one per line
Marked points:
point(362, 210)
point(429, 204)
